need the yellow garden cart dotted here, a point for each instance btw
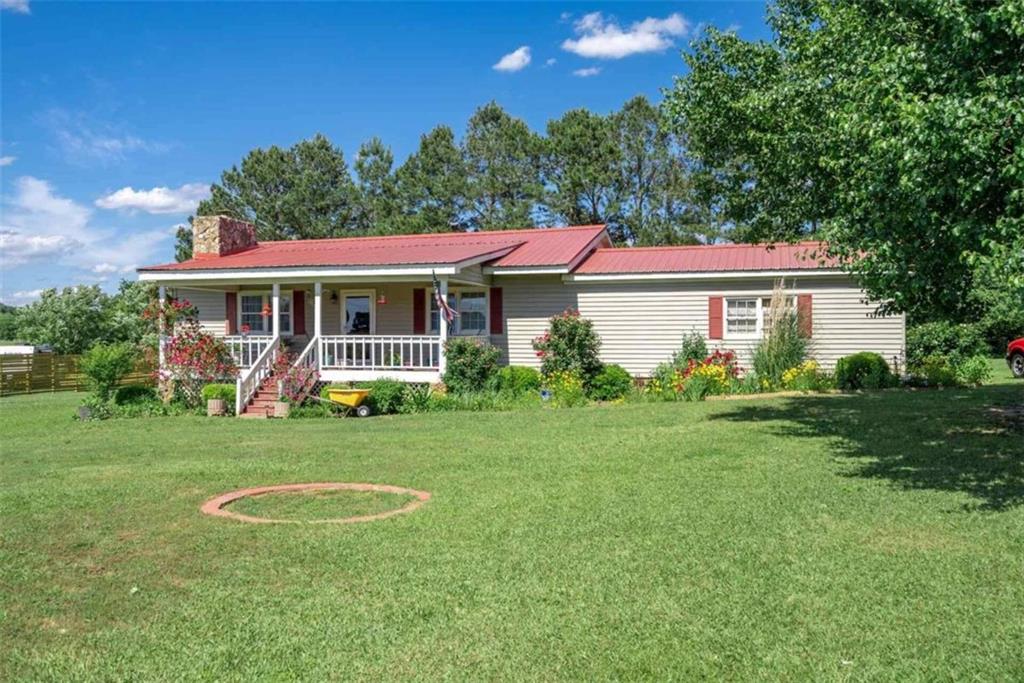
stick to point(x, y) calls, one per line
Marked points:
point(351, 400)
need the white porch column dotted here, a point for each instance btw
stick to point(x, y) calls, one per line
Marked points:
point(161, 322)
point(318, 291)
point(442, 327)
point(277, 309)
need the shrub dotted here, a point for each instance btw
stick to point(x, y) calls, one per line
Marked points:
point(105, 365)
point(225, 392)
point(517, 379)
point(783, 345)
point(954, 341)
point(570, 345)
point(974, 371)
point(805, 377)
point(386, 395)
point(471, 364)
point(864, 370)
point(611, 383)
point(935, 370)
point(134, 393)
point(694, 348)
point(566, 389)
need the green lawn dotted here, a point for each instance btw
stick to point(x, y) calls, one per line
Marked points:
point(877, 536)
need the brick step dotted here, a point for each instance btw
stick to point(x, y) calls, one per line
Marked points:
point(253, 414)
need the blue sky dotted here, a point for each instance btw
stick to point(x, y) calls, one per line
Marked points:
point(117, 116)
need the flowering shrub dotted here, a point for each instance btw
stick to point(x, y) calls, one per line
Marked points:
point(295, 382)
point(471, 364)
point(569, 345)
point(716, 374)
point(566, 389)
point(193, 359)
point(175, 311)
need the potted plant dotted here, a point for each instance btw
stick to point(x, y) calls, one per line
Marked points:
point(217, 397)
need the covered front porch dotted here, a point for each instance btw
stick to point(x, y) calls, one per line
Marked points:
point(346, 331)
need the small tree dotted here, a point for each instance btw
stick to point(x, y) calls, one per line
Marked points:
point(107, 364)
point(193, 359)
point(569, 345)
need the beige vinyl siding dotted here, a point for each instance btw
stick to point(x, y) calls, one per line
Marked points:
point(528, 301)
point(641, 323)
point(211, 309)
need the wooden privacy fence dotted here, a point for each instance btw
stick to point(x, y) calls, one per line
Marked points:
point(38, 372)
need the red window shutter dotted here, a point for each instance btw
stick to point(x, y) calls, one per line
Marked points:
point(419, 311)
point(497, 312)
point(230, 313)
point(714, 317)
point(298, 311)
point(804, 314)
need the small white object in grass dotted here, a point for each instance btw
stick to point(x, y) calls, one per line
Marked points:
point(134, 590)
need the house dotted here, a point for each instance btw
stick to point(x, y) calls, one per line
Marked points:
point(362, 308)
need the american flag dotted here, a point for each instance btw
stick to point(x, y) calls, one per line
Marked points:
point(446, 311)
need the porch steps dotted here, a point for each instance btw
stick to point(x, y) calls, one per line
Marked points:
point(262, 404)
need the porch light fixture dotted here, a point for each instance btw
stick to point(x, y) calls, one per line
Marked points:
point(382, 299)
point(334, 296)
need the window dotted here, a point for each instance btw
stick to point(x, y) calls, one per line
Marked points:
point(473, 313)
point(750, 317)
point(472, 308)
point(741, 317)
point(250, 312)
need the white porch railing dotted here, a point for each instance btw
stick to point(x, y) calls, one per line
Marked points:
point(400, 352)
point(249, 380)
point(310, 356)
point(245, 349)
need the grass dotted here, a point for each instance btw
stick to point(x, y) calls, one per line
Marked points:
point(318, 504)
point(864, 537)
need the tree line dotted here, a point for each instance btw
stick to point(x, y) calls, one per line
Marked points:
point(624, 169)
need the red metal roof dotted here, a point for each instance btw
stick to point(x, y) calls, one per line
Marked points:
point(706, 258)
point(510, 248)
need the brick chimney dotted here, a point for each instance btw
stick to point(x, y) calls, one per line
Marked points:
point(220, 236)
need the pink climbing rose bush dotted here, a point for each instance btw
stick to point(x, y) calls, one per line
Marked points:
point(194, 358)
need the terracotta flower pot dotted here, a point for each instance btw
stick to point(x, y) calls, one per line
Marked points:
point(216, 406)
point(281, 408)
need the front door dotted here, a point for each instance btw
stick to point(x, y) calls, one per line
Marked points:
point(357, 313)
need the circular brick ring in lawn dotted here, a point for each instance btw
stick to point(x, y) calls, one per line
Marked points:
point(218, 507)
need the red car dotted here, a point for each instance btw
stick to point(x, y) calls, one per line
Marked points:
point(1015, 357)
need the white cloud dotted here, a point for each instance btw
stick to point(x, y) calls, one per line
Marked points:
point(39, 226)
point(602, 38)
point(84, 142)
point(550, 62)
point(517, 60)
point(157, 200)
point(23, 297)
point(7, 161)
point(587, 72)
point(18, 6)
